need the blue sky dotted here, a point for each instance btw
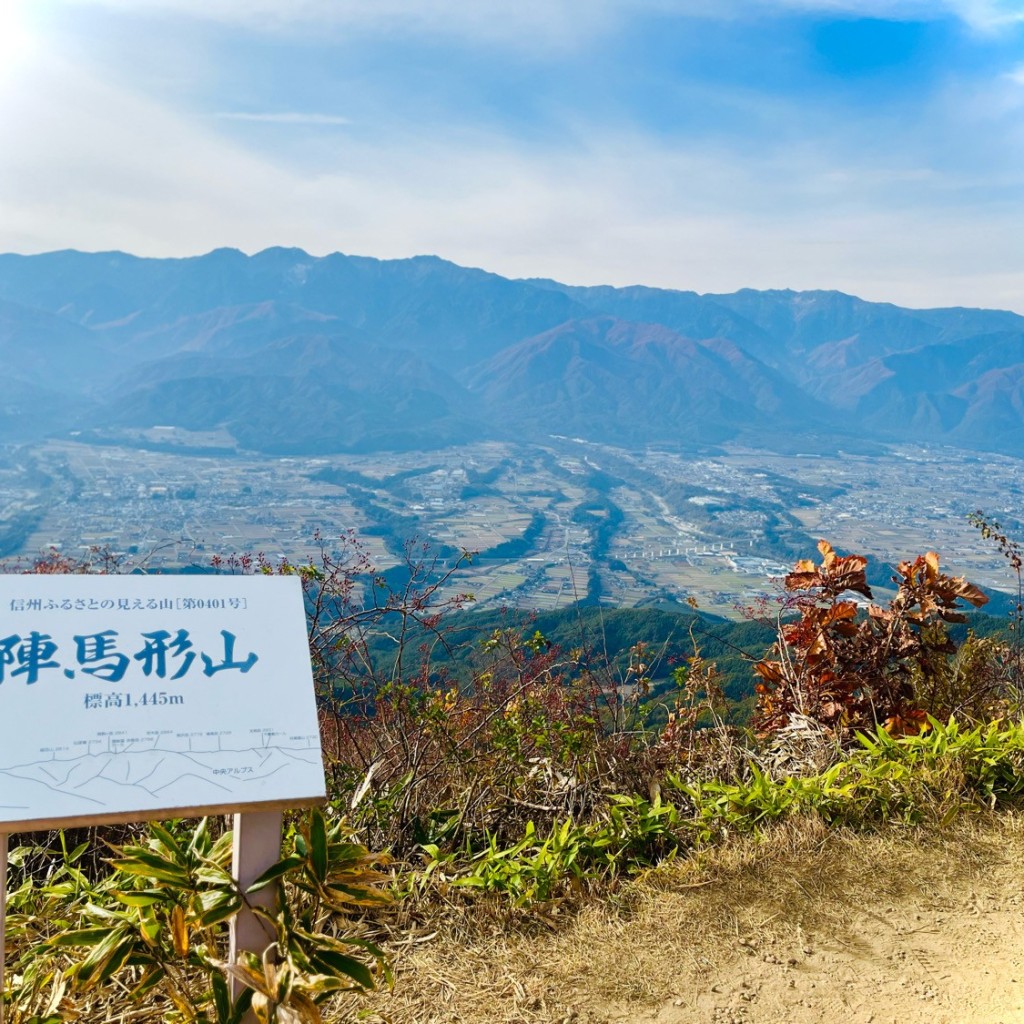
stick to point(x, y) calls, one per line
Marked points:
point(875, 146)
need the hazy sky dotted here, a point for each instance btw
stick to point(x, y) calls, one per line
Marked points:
point(875, 146)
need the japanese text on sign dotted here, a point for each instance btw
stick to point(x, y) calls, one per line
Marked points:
point(159, 653)
point(125, 604)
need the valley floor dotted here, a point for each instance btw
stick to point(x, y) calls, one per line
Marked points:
point(804, 927)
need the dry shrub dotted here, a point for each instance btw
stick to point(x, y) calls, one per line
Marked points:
point(890, 666)
point(432, 739)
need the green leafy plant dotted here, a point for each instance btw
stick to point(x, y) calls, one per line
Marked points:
point(632, 834)
point(156, 927)
point(932, 775)
point(325, 876)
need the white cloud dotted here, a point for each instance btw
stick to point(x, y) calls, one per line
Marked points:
point(869, 208)
point(544, 20)
point(17, 42)
point(523, 24)
point(294, 117)
point(988, 15)
point(87, 166)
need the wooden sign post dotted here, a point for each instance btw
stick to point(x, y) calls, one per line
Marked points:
point(257, 847)
point(135, 698)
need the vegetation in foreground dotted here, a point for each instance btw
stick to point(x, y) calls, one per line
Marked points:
point(537, 778)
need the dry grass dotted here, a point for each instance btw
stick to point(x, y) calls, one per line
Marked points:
point(658, 937)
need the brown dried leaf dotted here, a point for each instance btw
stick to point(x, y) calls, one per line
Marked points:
point(769, 670)
point(970, 593)
point(803, 580)
point(179, 931)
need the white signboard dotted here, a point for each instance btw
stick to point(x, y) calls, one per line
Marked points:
point(132, 697)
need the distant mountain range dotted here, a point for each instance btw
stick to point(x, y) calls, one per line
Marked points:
point(298, 354)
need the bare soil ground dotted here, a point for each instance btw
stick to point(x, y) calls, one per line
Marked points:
point(806, 926)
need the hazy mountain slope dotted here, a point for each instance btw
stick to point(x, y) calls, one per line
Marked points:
point(49, 368)
point(49, 351)
point(294, 352)
point(897, 367)
point(995, 411)
point(692, 315)
point(611, 379)
point(806, 320)
point(228, 330)
point(312, 393)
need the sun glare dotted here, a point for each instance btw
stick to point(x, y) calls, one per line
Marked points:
point(16, 39)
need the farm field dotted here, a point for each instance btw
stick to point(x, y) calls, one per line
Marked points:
point(550, 524)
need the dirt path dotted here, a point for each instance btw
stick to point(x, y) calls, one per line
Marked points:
point(806, 928)
point(905, 962)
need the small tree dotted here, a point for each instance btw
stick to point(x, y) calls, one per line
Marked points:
point(1011, 551)
point(847, 669)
